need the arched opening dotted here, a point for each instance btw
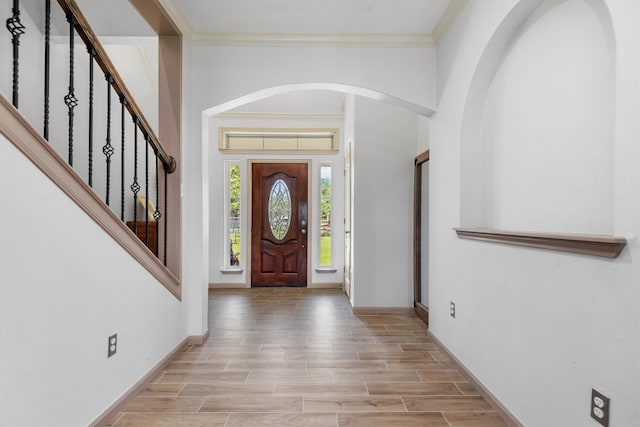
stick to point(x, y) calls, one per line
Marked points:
point(399, 131)
point(541, 104)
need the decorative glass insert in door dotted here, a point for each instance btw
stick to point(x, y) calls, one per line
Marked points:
point(279, 209)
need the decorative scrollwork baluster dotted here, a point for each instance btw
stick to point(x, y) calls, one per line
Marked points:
point(123, 103)
point(70, 99)
point(107, 149)
point(166, 214)
point(47, 64)
point(16, 28)
point(92, 54)
point(146, 188)
point(135, 187)
point(156, 213)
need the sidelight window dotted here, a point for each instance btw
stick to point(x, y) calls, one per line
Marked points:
point(325, 216)
point(232, 215)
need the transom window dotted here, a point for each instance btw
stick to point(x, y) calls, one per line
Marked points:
point(278, 140)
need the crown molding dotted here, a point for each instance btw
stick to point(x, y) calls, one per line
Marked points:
point(449, 16)
point(314, 40)
point(280, 116)
point(424, 40)
point(179, 18)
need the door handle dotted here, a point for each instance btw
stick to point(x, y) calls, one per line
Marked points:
point(303, 231)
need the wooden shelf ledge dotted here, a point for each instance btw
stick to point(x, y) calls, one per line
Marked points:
point(587, 244)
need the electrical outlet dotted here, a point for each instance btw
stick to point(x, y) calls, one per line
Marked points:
point(452, 309)
point(113, 345)
point(600, 407)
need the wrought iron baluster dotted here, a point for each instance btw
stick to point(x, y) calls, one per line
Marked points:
point(166, 212)
point(70, 99)
point(47, 62)
point(107, 149)
point(135, 187)
point(92, 54)
point(123, 103)
point(146, 188)
point(156, 213)
point(16, 29)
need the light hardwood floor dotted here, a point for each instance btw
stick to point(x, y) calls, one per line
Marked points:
point(300, 357)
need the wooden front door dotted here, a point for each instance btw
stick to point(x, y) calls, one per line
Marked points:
point(279, 224)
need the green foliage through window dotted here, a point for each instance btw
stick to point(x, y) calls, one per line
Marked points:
point(325, 216)
point(234, 215)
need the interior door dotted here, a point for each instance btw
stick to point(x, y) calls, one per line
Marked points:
point(279, 224)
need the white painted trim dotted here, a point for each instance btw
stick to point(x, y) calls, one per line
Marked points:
point(448, 18)
point(179, 18)
point(337, 87)
point(229, 286)
point(314, 40)
point(330, 164)
point(423, 40)
point(226, 250)
point(232, 270)
point(323, 270)
point(280, 116)
point(336, 285)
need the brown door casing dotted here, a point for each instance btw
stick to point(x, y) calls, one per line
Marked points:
point(279, 261)
point(421, 309)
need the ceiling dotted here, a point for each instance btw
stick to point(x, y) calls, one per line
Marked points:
point(386, 22)
point(399, 23)
point(313, 16)
point(204, 19)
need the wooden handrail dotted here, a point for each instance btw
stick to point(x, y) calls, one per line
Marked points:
point(91, 39)
point(587, 244)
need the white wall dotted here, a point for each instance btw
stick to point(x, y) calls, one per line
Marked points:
point(385, 148)
point(547, 131)
point(540, 328)
point(225, 73)
point(67, 287)
point(217, 241)
point(218, 74)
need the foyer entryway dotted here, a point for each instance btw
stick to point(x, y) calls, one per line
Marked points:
point(300, 357)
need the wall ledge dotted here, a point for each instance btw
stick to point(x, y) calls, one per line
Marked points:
point(586, 244)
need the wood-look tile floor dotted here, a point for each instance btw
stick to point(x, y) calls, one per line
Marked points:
point(300, 357)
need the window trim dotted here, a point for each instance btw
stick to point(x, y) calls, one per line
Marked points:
point(226, 250)
point(224, 133)
point(320, 267)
